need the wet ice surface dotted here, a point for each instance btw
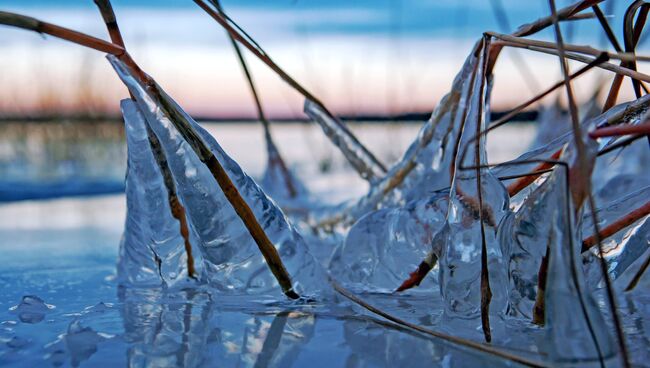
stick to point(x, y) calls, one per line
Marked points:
point(95, 323)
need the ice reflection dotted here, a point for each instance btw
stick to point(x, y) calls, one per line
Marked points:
point(191, 329)
point(195, 329)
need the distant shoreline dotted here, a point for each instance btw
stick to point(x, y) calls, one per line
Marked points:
point(415, 118)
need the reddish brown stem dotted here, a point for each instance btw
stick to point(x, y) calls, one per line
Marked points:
point(617, 130)
point(617, 225)
point(525, 181)
point(416, 277)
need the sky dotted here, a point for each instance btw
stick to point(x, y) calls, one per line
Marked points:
point(378, 57)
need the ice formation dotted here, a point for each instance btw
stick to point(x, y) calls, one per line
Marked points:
point(401, 213)
point(232, 260)
point(382, 248)
point(425, 167)
point(467, 242)
point(31, 309)
point(78, 344)
point(152, 251)
point(632, 112)
point(363, 161)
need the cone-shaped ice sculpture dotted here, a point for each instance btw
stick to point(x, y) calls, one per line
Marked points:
point(153, 249)
point(524, 237)
point(469, 233)
point(385, 245)
point(576, 330)
point(233, 261)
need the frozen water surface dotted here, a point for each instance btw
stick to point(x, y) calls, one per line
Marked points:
point(96, 323)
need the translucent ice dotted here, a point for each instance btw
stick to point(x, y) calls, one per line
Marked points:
point(233, 261)
point(524, 236)
point(276, 343)
point(471, 214)
point(575, 326)
point(424, 168)
point(152, 251)
point(621, 172)
point(166, 333)
point(363, 161)
point(78, 344)
point(17, 342)
point(385, 245)
point(623, 248)
point(553, 122)
point(626, 113)
point(31, 309)
point(278, 181)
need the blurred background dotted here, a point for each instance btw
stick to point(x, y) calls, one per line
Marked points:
point(386, 63)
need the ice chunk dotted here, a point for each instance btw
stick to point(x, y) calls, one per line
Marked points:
point(472, 214)
point(152, 251)
point(524, 237)
point(359, 157)
point(31, 309)
point(575, 326)
point(551, 122)
point(234, 262)
point(100, 307)
point(385, 245)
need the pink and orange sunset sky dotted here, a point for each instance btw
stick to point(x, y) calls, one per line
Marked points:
point(366, 57)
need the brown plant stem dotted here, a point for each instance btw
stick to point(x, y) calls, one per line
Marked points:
point(525, 181)
point(177, 209)
point(416, 277)
point(618, 130)
point(453, 339)
point(229, 189)
point(486, 291)
point(274, 157)
point(584, 59)
point(245, 40)
point(617, 226)
point(587, 50)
